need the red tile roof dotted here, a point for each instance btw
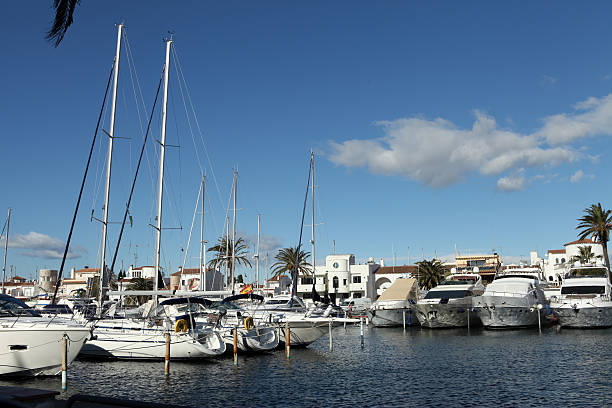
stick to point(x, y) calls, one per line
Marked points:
point(275, 278)
point(556, 251)
point(581, 241)
point(397, 269)
point(89, 270)
point(189, 271)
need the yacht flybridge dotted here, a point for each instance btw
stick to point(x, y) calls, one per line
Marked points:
point(584, 301)
point(449, 304)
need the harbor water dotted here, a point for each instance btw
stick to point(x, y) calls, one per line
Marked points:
point(418, 367)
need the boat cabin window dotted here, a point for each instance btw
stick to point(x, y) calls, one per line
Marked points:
point(447, 294)
point(9, 306)
point(588, 272)
point(583, 290)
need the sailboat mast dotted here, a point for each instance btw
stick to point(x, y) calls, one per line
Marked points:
point(312, 241)
point(234, 231)
point(162, 154)
point(8, 225)
point(257, 254)
point(111, 133)
point(202, 249)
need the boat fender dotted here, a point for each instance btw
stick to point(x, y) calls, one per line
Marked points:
point(248, 323)
point(180, 326)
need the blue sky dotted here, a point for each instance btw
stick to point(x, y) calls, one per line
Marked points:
point(436, 125)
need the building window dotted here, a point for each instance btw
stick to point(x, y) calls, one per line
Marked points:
point(562, 260)
point(357, 279)
point(307, 281)
point(357, 295)
point(557, 260)
point(335, 282)
point(344, 282)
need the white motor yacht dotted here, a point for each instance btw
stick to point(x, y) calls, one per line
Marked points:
point(449, 304)
point(31, 345)
point(584, 301)
point(512, 300)
point(392, 308)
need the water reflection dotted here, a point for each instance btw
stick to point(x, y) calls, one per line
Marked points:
point(394, 368)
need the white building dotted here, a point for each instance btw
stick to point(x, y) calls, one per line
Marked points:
point(557, 261)
point(340, 277)
point(386, 275)
point(277, 285)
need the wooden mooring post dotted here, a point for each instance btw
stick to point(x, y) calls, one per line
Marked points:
point(236, 346)
point(64, 362)
point(167, 357)
point(287, 340)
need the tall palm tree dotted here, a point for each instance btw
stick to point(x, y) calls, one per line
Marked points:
point(430, 273)
point(585, 255)
point(288, 258)
point(222, 254)
point(64, 9)
point(596, 223)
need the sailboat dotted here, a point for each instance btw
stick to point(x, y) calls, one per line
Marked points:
point(145, 337)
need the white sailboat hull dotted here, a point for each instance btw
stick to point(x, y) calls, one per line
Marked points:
point(150, 344)
point(304, 332)
point(35, 351)
point(256, 339)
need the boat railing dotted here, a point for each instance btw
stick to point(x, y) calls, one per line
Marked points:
point(507, 294)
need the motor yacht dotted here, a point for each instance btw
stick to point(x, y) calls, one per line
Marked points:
point(392, 308)
point(31, 345)
point(449, 304)
point(584, 301)
point(513, 300)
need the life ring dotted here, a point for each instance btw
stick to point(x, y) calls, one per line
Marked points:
point(248, 323)
point(180, 326)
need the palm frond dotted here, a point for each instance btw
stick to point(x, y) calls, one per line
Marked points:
point(64, 10)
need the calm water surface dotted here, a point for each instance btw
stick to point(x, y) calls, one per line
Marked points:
point(395, 368)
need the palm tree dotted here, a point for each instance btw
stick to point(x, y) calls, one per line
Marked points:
point(141, 284)
point(430, 273)
point(288, 258)
point(223, 254)
point(596, 223)
point(64, 9)
point(585, 255)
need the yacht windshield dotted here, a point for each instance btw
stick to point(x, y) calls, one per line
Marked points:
point(583, 290)
point(9, 306)
point(588, 272)
point(458, 282)
point(447, 294)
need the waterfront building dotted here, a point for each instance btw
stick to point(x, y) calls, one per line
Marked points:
point(341, 277)
point(387, 275)
point(80, 280)
point(189, 279)
point(486, 265)
point(47, 278)
point(20, 288)
point(558, 261)
point(277, 285)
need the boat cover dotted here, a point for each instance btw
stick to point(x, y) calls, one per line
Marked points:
point(401, 289)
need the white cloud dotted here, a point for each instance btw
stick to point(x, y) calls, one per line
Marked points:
point(593, 117)
point(514, 182)
point(577, 176)
point(37, 245)
point(580, 175)
point(438, 153)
